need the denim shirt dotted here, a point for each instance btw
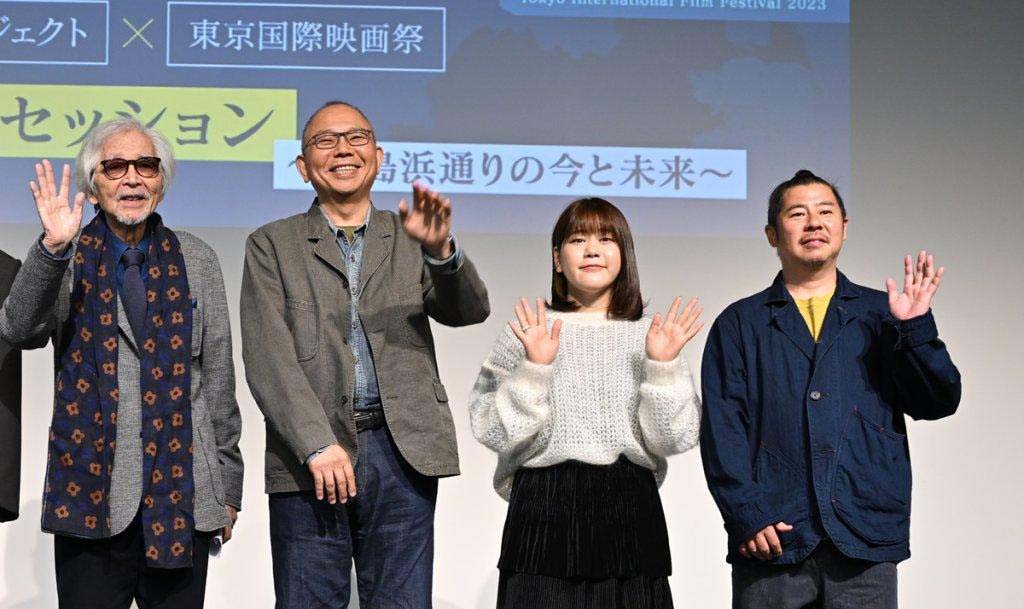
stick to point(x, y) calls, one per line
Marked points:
point(367, 393)
point(813, 433)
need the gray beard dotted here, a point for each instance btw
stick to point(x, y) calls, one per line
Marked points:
point(126, 221)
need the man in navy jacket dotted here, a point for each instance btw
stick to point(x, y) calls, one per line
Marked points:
point(803, 438)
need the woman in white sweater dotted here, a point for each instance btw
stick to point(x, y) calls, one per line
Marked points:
point(582, 404)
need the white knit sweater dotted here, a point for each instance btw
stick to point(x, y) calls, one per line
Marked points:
point(600, 398)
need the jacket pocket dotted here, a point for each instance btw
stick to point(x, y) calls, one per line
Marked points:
point(301, 317)
point(782, 484)
point(411, 316)
point(447, 423)
point(871, 488)
point(204, 433)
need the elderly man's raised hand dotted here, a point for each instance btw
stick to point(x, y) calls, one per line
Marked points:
point(60, 220)
point(428, 221)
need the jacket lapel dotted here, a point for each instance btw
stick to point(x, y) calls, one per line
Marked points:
point(840, 312)
point(787, 319)
point(325, 246)
point(123, 325)
point(377, 247)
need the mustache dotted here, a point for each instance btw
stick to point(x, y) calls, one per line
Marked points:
point(144, 195)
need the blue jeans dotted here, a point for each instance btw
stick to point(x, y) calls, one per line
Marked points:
point(387, 529)
point(826, 579)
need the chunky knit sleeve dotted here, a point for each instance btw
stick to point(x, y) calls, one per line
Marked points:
point(509, 402)
point(669, 408)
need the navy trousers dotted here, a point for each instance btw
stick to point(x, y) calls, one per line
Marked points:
point(387, 529)
point(827, 579)
point(111, 573)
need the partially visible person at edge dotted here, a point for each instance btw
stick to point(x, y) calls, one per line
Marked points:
point(340, 358)
point(583, 403)
point(142, 349)
point(10, 407)
point(805, 387)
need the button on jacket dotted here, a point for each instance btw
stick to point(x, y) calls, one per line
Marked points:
point(296, 319)
point(813, 434)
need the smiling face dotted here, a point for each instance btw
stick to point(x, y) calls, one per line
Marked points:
point(810, 228)
point(344, 172)
point(130, 199)
point(590, 263)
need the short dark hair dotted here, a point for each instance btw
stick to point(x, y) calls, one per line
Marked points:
point(333, 102)
point(804, 177)
point(593, 215)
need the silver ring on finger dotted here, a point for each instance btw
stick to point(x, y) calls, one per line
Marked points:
point(525, 328)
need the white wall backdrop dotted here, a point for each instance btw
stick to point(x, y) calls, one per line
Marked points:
point(937, 147)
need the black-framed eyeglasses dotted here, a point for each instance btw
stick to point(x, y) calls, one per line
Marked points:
point(145, 166)
point(330, 139)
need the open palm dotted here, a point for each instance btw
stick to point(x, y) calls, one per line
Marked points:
point(429, 220)
point(920, 281)
point(60, 221)
point(531, 328)
point(666, 338)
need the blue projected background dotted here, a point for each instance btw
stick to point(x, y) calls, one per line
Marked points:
point(683, 115)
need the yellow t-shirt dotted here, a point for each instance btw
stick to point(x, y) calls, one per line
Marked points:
point(813, 311)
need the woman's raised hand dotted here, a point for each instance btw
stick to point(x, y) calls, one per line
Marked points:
point(665, 338)
point(531, 328)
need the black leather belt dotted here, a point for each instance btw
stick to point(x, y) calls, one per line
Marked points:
point(369, 419)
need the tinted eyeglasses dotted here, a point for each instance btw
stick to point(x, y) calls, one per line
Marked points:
point(145, 166)
point(329, 139)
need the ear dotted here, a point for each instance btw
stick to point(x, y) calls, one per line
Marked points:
point(380, 157)
point(773, 237)
point(554, 258)
point(846, 227)
point(300, 164)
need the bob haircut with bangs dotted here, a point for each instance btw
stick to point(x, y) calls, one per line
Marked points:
point(593, 215)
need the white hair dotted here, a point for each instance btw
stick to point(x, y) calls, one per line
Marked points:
point(89, 156)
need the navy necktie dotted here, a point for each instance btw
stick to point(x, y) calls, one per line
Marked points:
point(133, 292)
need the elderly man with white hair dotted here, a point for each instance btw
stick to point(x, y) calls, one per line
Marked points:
point(143, 468)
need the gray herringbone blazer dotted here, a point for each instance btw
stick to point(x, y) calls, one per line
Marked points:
point(35, 313)
point(295, 318)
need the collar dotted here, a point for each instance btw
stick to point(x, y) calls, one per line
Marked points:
point(119, 247)
point(777, 294)
point(360, 229)
point(318, 226)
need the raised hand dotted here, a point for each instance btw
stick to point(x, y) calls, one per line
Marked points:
point(666, 338)
point(60, 221)
point(920, 281)
point(429, 221)
point(531, 328)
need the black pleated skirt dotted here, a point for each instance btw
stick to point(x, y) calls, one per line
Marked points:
point(581, 536)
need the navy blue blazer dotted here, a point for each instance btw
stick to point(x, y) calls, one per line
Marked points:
point(813, 434)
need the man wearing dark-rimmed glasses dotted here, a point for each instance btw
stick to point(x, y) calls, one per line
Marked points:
point(340, 359)
point(143, 466)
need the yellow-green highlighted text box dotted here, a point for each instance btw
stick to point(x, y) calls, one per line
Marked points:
point(203, 124)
